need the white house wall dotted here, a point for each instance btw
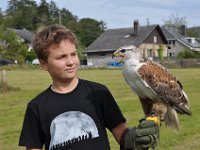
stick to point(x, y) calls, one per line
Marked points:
point(95, 59)
point(177, 48)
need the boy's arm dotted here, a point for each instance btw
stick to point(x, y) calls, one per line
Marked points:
point(118, 131)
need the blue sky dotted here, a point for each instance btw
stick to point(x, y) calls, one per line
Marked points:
point(121, 13)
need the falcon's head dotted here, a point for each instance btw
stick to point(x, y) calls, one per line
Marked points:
point(128, 51)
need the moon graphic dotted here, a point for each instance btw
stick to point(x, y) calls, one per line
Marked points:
point(72, 125)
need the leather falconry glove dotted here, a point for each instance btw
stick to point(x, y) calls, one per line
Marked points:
point(142, 137)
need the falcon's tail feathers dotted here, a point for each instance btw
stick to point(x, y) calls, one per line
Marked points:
point(171, 118)
point(183, 109)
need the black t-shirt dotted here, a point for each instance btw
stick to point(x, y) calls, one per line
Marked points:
point(71, 121)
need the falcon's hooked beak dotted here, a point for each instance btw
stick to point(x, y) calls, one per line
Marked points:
point(117, 53)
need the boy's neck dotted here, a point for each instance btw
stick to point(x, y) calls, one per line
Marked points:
point(64, 87)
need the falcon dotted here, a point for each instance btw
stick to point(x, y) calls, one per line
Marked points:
point(159, 91)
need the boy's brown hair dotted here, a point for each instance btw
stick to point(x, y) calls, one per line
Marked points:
point(53, 34)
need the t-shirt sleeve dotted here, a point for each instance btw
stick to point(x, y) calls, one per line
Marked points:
point(111, 112)
point(31, 134)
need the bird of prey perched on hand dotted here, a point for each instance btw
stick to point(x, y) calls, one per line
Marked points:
point(158, 90)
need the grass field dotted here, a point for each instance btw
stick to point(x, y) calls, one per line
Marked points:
point(32, 82)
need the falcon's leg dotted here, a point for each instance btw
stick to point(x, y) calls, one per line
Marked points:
point(160, 110)
point(147, 106)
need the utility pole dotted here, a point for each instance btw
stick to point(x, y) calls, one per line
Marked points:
point(148, 22)
point(59, 18)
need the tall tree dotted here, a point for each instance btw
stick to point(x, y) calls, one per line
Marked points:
point(89, 30)
point(1, 17)
point(53, 12)
point(43, 13)
point(174, 21)
point(12, 6)
point(21, 14)
point(193, 32)
point(68, 19)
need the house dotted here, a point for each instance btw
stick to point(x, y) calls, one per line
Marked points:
point(149, 39)
point(24, 36)
point(179, 41)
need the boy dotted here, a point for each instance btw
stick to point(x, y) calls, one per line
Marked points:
point(73, 114)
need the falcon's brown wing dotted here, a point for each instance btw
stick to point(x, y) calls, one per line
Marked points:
point(165, 85)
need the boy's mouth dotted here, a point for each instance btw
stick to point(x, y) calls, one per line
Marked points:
point(70, 69)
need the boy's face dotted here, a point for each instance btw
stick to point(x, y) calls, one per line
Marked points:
point(63, 62)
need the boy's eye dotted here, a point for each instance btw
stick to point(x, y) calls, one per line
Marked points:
point(60, 57)
point(74, 54)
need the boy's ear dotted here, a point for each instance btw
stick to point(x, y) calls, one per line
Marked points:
point(43, 64)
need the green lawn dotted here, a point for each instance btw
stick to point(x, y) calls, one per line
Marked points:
point(32, 82)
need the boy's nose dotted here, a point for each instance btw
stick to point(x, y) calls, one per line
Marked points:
point(69, 61)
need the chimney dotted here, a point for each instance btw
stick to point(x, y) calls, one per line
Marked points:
point(183, 29)
point(135, 27)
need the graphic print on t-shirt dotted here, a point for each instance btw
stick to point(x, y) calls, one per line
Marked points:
point(71, 127)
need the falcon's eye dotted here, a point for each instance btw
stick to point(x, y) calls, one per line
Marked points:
point(123, 50)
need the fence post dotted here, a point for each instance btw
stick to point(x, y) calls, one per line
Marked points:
point(4, 82)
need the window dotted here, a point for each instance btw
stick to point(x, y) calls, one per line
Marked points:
point(171, 55)
point(149, 53)
point(169, 47)
point(155, 39)
point(102, 54)
point(173, 42)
